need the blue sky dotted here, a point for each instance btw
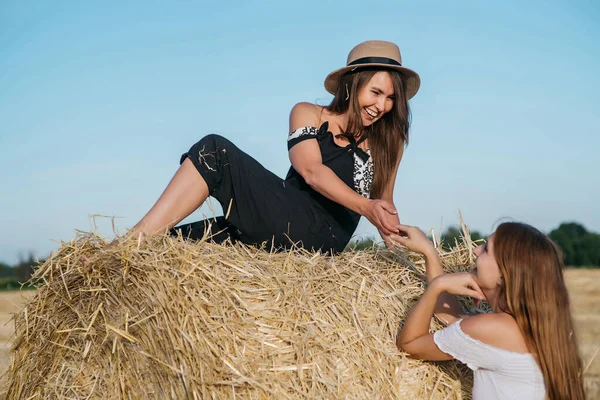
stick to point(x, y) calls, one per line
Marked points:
point(98, 101)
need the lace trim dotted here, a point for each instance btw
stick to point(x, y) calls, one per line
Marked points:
point(363, 175)
point(305, 130)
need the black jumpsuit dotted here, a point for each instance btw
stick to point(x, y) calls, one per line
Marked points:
point(265, 208)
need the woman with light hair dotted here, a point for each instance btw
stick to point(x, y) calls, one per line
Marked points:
point(526, 348)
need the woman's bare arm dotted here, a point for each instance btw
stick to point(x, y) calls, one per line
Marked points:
point(415, 338)
point(388, 195)
point(447, 308)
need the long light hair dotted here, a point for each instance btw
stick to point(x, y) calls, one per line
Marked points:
point(534, 293)
point(387, 136)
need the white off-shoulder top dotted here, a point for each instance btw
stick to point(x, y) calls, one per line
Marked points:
point(497, 373)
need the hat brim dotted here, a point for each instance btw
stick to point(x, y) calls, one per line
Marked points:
point(412, 79)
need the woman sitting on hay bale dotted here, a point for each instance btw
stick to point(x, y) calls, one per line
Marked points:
point(526, 348)
point(344, 161)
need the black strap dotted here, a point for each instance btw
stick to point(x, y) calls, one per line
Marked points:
point(375, 60)
point(351, 148)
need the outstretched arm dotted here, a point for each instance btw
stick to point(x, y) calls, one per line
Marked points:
point(388, 195)
point(306, 160)
point(447, 308)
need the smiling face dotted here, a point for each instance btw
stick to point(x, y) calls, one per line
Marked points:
point(376, 98)
point(486, 271)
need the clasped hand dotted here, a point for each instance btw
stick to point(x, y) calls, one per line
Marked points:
point(378, 213)
point(414, 239)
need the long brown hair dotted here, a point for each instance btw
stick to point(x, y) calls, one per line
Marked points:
point(534, 293)
point(386, 136)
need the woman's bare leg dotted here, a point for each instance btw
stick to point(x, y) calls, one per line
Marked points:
point(184, 194)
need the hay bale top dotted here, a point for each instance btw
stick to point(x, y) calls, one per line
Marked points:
point(169, 318)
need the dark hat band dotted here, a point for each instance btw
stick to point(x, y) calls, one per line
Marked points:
point(374, 60)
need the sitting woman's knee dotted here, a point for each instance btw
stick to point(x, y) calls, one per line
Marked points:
point(214, 141)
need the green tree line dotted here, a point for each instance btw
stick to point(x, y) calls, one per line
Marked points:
point(12, 276)
point(580, 248)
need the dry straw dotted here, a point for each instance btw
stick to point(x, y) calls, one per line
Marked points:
point(168, 318)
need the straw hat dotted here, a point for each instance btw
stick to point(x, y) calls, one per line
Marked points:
point(375, 53)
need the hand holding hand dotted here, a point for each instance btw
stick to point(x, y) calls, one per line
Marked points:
point(414, 239)
point(460, 284)
point(377, 212)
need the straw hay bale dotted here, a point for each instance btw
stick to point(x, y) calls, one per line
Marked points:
point(169, 318)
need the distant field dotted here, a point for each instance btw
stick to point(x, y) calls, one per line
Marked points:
point(584, 286)
point(10, 302)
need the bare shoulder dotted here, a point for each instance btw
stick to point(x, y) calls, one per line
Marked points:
point(304, 114)
point(498, 330)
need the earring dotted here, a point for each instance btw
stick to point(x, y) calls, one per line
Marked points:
point(347, 93)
